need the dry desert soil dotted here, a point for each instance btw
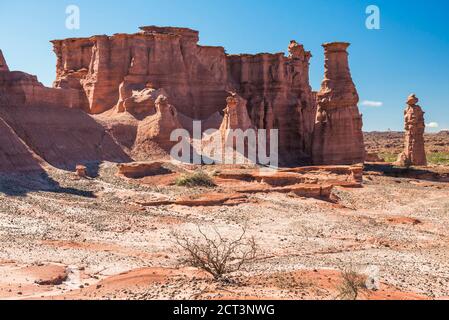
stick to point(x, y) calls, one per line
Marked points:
point(112, 237)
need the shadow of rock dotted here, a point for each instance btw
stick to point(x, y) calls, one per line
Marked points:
point(411, 173)
point(20, 184)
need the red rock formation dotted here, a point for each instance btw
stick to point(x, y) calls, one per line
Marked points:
point(157, 128)
point(139, 170)
point(3, 65)
point(338, 137)
point(414, 153)
point(39, 125)
point(121, 81)
point(196, 78)
point(137, 100)
point(19, 88)
point(15, 155)
point(81, 171)
point(236, 114)
point(279, 97)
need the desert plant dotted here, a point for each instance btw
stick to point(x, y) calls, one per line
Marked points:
point(195, 179)
point(217, 255)
point(352, 285)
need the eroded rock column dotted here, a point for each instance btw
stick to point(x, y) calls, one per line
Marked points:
point(338, 136)
point(414, 153)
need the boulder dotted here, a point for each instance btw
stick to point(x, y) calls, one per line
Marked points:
point(81, 171)
point(137, 170)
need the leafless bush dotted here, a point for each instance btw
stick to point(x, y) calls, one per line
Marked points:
point(215, 254)
point(352, 285)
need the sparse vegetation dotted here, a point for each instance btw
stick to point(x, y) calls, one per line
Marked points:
point(440, 158)
point(196, 179)
point(216, 255)
point(352, 285)
point(388, 157)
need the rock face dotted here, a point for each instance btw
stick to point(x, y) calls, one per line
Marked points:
point(109, 101)
point(3, 65)
point(338, 136)
point(41, 125)
point(158, 127)
point(19, 88)
point(236, 114)
point(414, 153)
point(196, 78)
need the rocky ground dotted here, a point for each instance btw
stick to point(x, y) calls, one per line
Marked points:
point(65, 237)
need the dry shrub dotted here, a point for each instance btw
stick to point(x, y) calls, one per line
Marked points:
point(196, 179)
point(352, 285)
point(215, 254)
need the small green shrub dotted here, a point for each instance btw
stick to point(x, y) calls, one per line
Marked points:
point(388, 157)
point(441, 158)
point(196, 179)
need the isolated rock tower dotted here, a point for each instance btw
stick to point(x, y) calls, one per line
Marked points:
point(414, 153)
point(338, 136)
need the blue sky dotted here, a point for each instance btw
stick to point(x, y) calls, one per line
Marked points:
point(410, 53)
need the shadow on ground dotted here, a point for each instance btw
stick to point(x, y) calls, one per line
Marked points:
point(20, 184)
point(411, 173)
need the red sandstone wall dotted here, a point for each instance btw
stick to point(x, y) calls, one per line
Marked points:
point(196, 79)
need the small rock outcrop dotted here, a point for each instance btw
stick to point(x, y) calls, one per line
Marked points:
point(137, 99)
point(236, 114)
point(139, 170)
point(157, 129)
point(338, 136)
point(414, 153)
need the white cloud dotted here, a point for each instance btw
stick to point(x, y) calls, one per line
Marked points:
point(372, 104)
point(432, 125)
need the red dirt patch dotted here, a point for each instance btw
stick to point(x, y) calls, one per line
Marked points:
point(47, 275)
point(403, 220)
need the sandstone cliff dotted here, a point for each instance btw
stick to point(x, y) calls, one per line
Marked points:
point(41, 125)
point(196, 78)
point(108, 100)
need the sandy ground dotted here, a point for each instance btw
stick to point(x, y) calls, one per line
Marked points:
point(62, 237)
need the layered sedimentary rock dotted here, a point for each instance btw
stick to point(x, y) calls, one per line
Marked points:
point(40, 124)
point(414, 153)
point(236, 114)
point(137, 100)
point(20, 88)
point(3, 65)
point(196, 78)
point(109, 100)
point(15, 155)
point(338, 136)
point(279, 97)
point(157, 129)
